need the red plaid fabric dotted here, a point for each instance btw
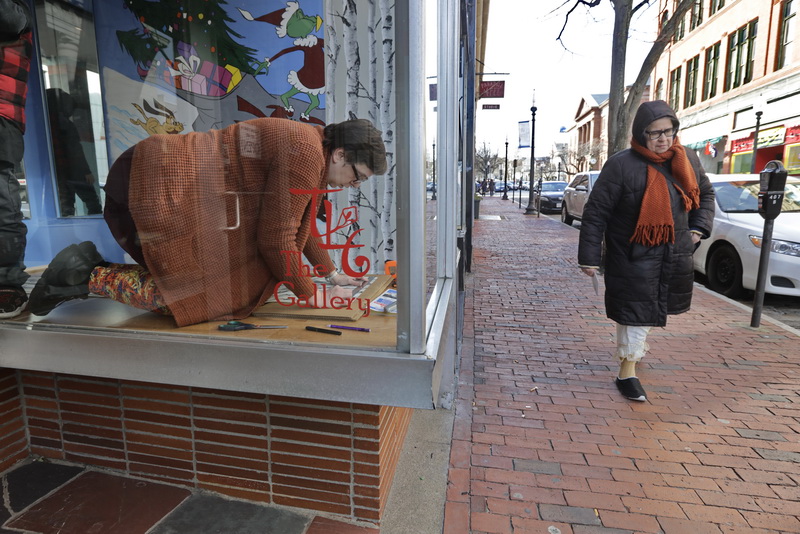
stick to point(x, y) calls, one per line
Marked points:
point(15, 60)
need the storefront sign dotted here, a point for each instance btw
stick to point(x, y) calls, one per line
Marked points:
point(766, 138)
point(492, 89)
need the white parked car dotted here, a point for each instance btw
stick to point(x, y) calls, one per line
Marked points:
point(730, 256)
point(576, 194)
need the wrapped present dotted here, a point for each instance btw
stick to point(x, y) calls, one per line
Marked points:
point(236, 76)
point(187, 75)
point(186, 50)
point(195, 83)
point(218, 78)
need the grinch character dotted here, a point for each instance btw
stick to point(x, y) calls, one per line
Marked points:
point(310, 78)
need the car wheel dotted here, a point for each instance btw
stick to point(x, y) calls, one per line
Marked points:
point(725, 272)
point(565, 217)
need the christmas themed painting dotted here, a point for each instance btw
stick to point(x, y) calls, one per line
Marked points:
point(176, 66)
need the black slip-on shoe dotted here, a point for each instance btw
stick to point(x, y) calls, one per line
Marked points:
point(72, 266)
point(44, 298)
point(631, 389)
point(66, 278)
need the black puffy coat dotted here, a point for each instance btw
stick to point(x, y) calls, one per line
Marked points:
point(643, 284)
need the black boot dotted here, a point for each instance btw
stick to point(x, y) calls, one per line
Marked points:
point(66, 278)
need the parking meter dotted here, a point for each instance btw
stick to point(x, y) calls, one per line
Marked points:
point(770, 194)
point(770, 202)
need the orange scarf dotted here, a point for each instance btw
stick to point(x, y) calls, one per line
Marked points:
point(655, 225)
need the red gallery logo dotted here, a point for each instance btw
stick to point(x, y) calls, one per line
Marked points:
point(347, 217)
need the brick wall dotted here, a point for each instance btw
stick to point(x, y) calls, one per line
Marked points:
point(13, 441)
point(328, 456)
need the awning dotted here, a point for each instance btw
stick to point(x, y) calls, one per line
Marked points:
point(701, 144)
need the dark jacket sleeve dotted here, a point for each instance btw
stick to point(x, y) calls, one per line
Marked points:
point(598, 210)
point(15, 19)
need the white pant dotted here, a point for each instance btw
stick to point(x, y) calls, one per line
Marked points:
point(632, 342)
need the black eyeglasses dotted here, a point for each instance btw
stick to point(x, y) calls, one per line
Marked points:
point(655, 134)
point(359, 178)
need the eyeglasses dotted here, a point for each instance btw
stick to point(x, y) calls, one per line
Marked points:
point(359, 178)
point(655, 134)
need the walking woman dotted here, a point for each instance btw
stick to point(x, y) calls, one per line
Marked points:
point(650, 207)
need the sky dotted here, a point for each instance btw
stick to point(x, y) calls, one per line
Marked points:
point(521, 41)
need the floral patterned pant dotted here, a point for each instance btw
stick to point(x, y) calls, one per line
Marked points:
point(130, 284)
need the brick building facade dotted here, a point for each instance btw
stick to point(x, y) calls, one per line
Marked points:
point(733, 67)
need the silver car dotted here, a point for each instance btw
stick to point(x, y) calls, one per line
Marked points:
point(576, 194)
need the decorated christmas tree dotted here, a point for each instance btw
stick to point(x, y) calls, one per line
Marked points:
point(179, 27)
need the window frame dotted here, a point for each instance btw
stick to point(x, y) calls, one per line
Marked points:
point(785, 35)
point(741, 56)
point(690, 87)
point(696, 16)
point(711, 77)
point(675, 87)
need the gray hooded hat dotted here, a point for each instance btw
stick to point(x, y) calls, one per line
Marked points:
point(649, 112)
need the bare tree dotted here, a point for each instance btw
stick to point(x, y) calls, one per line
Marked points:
point(621, 109)
point(575, 158)
point(486, 161)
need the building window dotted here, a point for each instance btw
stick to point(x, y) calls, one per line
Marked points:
point(715, 6)
point(786, 35)
point(712, 66)
point(680, 30)
point(690, 92)
point(741, 52)
point(675, 88)
point(659, 90)
point(697, 15)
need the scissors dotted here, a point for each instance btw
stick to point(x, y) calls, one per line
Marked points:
point(232, 326)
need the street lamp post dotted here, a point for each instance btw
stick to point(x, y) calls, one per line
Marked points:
point(755, 142)
point(505, 176)
point(530, 209)
point(433, 196)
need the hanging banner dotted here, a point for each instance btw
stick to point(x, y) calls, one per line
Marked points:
point(524, 134)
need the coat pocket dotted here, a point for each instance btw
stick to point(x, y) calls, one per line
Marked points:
point(637, 251)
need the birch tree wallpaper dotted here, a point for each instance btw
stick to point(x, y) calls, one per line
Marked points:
point(360, 74)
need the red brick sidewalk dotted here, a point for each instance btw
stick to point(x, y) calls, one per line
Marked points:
point(543, 443)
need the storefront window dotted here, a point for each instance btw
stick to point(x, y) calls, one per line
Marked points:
point(213, 213)
point(792, 158)
point(70, 73)
point(741, 162)
point(229, 216)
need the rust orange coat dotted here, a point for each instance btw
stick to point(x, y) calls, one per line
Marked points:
point(218, 225)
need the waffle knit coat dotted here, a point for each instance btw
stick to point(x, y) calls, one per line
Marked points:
point(218, 225)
